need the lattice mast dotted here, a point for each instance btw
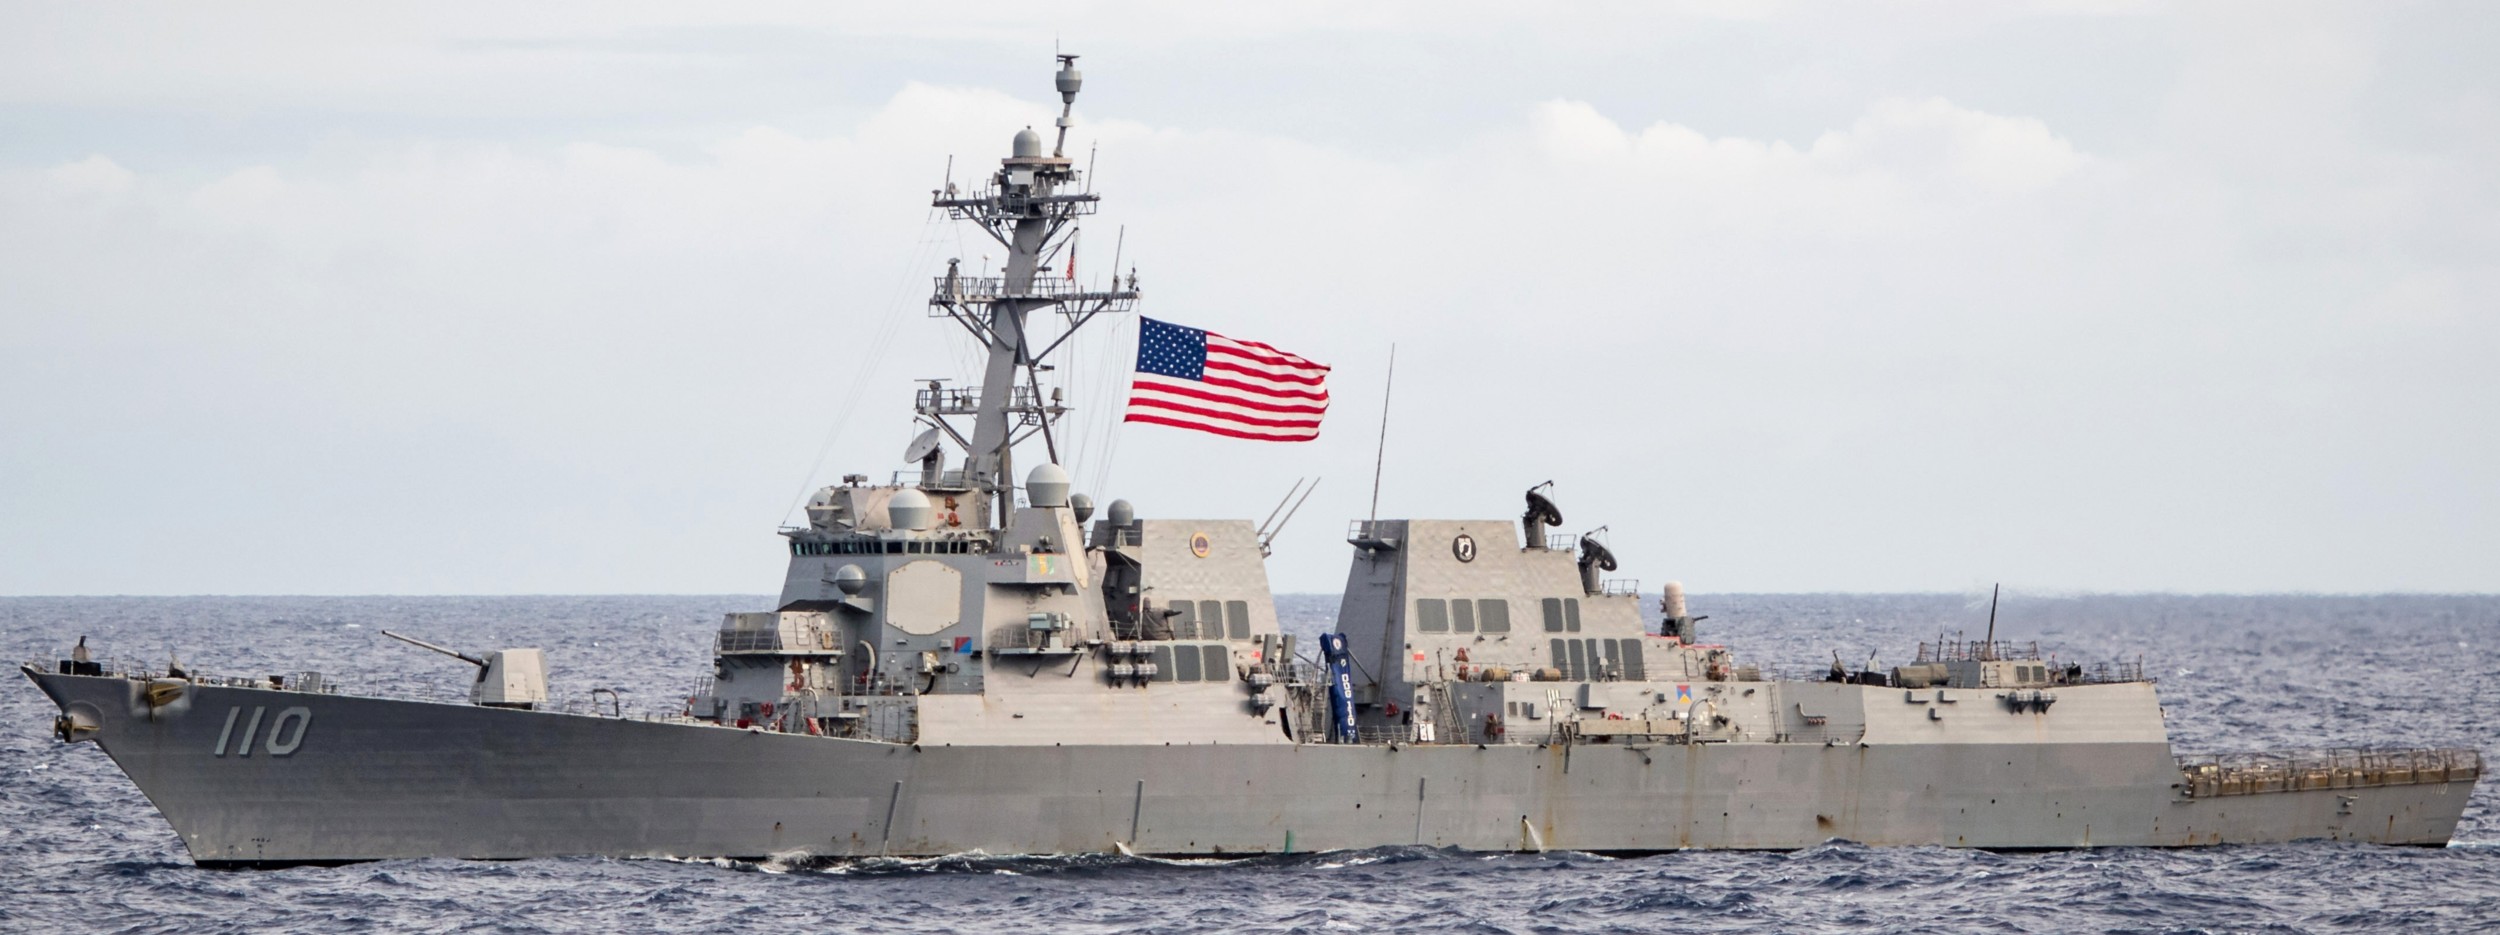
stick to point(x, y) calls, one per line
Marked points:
point(1029, 206)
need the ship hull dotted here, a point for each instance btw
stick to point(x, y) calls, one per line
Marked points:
point(256, 777)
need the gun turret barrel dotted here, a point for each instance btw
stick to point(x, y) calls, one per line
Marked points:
point(454, 653)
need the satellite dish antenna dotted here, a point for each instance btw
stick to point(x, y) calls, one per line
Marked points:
point(1595, 558)
point(1543, 509)
point(1593, 552)
point(1540, 516)
point(922, 447)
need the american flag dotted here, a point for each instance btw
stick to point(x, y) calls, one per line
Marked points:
point(1202, 380)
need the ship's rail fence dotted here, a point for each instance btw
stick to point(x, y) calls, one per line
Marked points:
point(748, 641)
point(1304, 688)
point(1964, 650)
point(393, 687)
point(946, 480)
point(2099, 673)
point(1393, 733)
point(941, 400)
point(2220, 774)
point(960, 290)
point(305, 681)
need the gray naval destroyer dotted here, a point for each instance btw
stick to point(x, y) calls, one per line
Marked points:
point(960, 664)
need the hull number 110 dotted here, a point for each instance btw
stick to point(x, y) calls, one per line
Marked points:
point(285, 732)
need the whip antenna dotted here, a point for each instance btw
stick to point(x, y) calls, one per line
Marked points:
point(1991, 643)
point(1382, 454)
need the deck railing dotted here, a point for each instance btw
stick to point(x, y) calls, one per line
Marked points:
point(2209, 775)
point(1960, 650)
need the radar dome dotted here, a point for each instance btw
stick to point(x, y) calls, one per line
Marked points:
point(1082, 506)
point(849, 579)
point(910, 509)
point(1070, 80)
point(1047, 486)
point(1028, 144)
point(1121, 514)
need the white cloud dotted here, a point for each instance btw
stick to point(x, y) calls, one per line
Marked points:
point(94, 175)
point(1899, 343)
point(1931, 141)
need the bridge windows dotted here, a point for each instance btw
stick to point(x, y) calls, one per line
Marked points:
point(1432, 615)
point(1209, 620)
point(1461, 615)
point(1493, 615)
point(1562, 615)
point(1191, 662)
point(1594, 660)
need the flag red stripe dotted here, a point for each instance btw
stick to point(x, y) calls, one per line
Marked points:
point(1262, 383)
point(1276, 358)
point(1152, 402)
point(1264, 346)
point(1237, 399)
point(1263, 373)
point(1245, 387)
point(1220, 430)
point(1320, 397)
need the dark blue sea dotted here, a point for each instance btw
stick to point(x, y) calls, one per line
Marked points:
point(80, 849)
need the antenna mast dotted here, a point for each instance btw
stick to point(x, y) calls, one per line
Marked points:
point(1991, 642)
point(1267, 536)
point(1029, 206)
point(1383, 454)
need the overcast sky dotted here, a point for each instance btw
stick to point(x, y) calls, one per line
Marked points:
point(485, 298)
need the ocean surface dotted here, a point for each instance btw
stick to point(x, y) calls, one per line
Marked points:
point(81, 850)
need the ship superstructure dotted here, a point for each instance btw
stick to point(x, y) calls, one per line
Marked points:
point(958, 661)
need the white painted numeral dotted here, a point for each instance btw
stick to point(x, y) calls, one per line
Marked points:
point(249, 731)
point(285, 734)
point(301, 718)
point(223, 735)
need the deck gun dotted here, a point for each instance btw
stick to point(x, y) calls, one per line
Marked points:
point(506, 678)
